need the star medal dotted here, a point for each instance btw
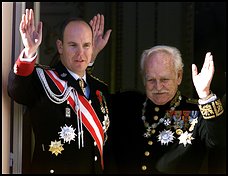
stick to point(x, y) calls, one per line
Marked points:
point(56, 147)
point(67, 133)
point(185, 138)
point(165, 137)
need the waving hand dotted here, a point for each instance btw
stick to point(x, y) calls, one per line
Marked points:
point(31, 37)
point(100, 39)
point(202, 80)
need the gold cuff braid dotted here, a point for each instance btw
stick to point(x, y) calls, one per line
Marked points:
point(212, 109)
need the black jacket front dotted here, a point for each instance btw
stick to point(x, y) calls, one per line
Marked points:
point(136, 154)
point(48, 118)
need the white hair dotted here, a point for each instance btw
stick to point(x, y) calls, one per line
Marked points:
point(174, 52)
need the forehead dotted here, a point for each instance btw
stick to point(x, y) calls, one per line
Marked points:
point(159, 58)
point(159, 64)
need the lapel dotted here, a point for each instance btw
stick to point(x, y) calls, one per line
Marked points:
point(91, 82)
point(66, 76)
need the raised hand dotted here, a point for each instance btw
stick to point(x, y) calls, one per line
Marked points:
point(202, 80)
point(31, 37)
point(100, 39)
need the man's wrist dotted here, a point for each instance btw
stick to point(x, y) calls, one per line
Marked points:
point(211, 97)
point(207, 97)
point(21, 57)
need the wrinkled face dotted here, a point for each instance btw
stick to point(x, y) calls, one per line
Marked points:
point(161, 79)
point(76, 48)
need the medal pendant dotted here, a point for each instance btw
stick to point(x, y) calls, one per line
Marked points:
point(67, 112)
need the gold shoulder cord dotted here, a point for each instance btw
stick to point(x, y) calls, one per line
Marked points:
point(212, 109)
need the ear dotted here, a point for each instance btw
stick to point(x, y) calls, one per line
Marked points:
point(179, 76)
point(59, 45)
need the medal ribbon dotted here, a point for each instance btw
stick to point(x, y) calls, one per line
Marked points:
point(89, 116)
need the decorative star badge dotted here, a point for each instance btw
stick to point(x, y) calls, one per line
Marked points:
point(56, 147)
point(185, 138)
point(67, 133)
point(165, 137)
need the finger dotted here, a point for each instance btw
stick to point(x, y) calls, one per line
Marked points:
point(101, 26)
point(94, 23)
point(211, 64)
point(194, 71)
point(207, 59)
point(26, 18)
point(98, 22)
point(22, 24)
point(31, 18)
point(91, 23)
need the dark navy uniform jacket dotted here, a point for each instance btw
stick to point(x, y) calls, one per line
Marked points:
point(136, 154)
point(47, 119)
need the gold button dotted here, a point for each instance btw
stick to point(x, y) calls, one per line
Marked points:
point(153, 131)
point(155, 117)
point(147, 153)
point(179, 131)
point(156, 109)
point(144, 168)
point(150, 142)
point(52, 171)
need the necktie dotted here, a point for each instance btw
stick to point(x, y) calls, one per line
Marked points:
point(82, 84)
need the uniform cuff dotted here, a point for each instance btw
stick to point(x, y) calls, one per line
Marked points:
point(212, 109)
point(24, 66)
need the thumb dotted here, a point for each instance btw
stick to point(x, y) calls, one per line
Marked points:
point(107, 35)
point(194, 70)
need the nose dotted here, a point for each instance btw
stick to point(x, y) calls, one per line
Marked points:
point(159, 85)
point(79, 51)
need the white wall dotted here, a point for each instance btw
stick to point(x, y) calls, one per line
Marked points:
point(7, 13)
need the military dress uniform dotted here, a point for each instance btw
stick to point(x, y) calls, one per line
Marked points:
point(172, 138)
point(70, 130)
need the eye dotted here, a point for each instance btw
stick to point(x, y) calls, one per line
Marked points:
point(73, 45)
point(152, 81)
point(165, 80)
point(87, 45)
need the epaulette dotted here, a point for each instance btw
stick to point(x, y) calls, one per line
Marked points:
point(89, 69)
point(45, 67)
point(192, 100)
point(99, 80)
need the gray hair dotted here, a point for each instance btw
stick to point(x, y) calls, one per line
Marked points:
point(174, 52)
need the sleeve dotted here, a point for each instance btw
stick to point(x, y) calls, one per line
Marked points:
point(24, 67)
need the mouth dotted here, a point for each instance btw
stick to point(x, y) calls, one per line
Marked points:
point(79, 60)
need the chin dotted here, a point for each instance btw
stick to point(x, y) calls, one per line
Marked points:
point(158, 102)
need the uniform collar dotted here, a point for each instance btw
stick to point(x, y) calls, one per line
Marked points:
point(64, 73)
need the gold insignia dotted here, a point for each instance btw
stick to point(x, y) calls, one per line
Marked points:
point(192, 101)
point(99, 80)
point(179, 131)
point(212, 109)
point(56, 147)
